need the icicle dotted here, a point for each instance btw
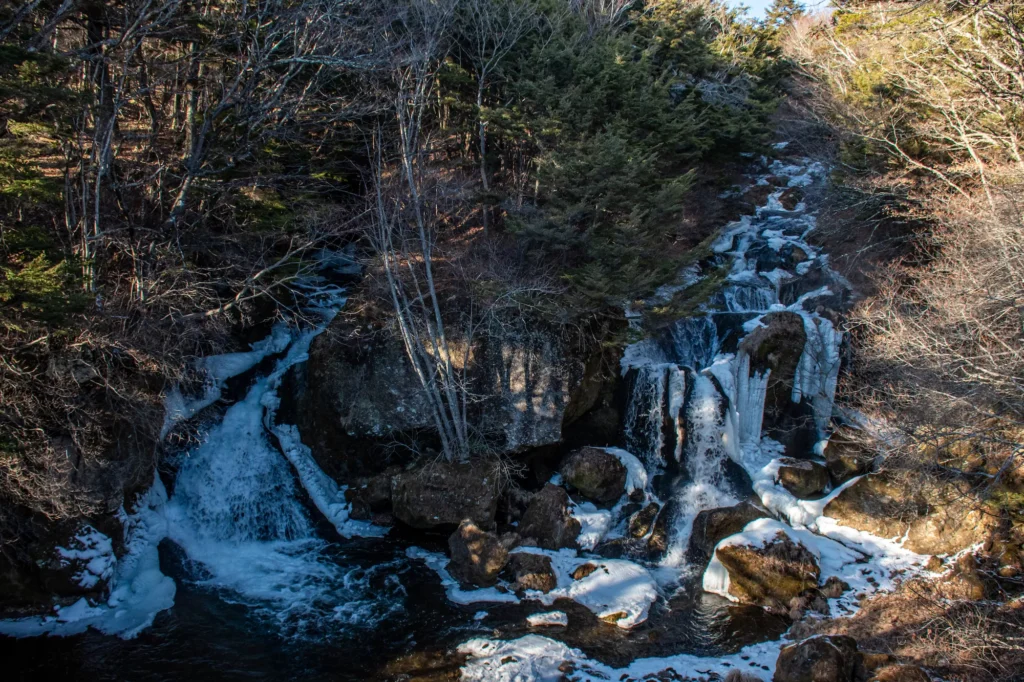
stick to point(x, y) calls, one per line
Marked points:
point(750, 393)
point(817, 373)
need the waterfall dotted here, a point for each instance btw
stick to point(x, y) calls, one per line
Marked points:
point(645, 415)
point(694, 342)
point(706, 451)
point(743, 298)
point(236, 513)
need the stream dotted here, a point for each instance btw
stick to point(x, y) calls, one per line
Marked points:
point(246, 565)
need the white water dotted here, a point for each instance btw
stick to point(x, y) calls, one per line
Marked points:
point(705, 456)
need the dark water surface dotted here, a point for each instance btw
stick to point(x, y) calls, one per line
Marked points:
point(208, 635)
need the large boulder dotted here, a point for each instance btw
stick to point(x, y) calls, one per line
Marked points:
point(477, 557)
point(548, 521)
point(824, 658)
point(711, 526)
point(595, 474)
point(806, 479)
point(358, 394)
point(79, 563)
point(770, 575)
point(776, 346)
point(935, 517)
point(442, 494)
point(532, 572)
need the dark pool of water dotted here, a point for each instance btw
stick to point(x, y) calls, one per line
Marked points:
point(206, 636)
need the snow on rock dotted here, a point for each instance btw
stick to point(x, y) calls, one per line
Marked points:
point(94, 552)
point(636, 474)
point(328, 497)
point(534, 658)
point(618, 590)
point(832, 556)
point(138, 590)
point(548, 619)
point(594, 523)
point(438, 561)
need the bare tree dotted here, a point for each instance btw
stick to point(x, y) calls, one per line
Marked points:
point(495, 27)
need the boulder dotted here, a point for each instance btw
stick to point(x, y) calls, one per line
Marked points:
point(595, 474)
point(443, 494)
point(825, 658)
point(791, 198)
point(477, 557)
point(532, 572)
point(937, 517)
point(370, 495)
point(846, 456)
point(358, 393)
point(770, 576)
point(804, 478)
point(711, 526)
point(583, 570)
point(547, 520)
point(642, 522)
point(777, 345)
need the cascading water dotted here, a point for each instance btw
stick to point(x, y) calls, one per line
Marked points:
point(236, 513)
point(705, 455)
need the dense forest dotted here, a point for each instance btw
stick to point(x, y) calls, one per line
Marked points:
point(177, 176)
point(172, 170)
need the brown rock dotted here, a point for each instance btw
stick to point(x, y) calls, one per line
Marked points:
point(714, 525)
point(770, 576)
point(548, 521)
point(818, 659)
point(804, 478)
point(642, 522)
point(937, 518)
point(846, 455)
point(583, 570)
point(790, 197)
point(595, 474)
point(443, 494)
point(369, 495)
point(477, 557)
point(900, 673)
point(532, 572)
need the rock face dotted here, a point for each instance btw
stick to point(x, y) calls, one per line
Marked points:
point(595, 474)
point(771, 576)
point(477, 557)
point(547, 520)
point(818, 659)
point(358, 391)
point(936, 518)
point(714, 525)
point(371, 494)
point(777, 346)
point(442, 494)
point(804, 478)
point(532, 572)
